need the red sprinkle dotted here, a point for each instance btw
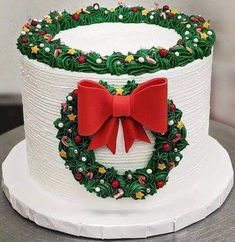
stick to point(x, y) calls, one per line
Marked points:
point(134, 9)
point(163, 52)
point(78, 176)
point(24, 40)
point(81, 59)
point(34, 23)
point(77, 138)
point(166, 147)
point(75, 16)
point(115, 184)
point(165, 8)
point(172, 107)
point(160, 184)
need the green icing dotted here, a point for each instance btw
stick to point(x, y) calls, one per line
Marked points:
point(85, 168)
point(190, 28)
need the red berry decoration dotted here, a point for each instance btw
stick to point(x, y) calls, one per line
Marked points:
point(163, 52)
point(172, 107)
point(81, 59)
point(34, 23)
point(165, 8)
point(166, 147)
point(75, 93)
point(160, 184)
point(115, 184)
point(134, 9)
point(24, 40)
point(75, 16)
point(78, 176)
point(77, 138)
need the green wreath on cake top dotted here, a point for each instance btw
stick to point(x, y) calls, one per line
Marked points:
point(36, 40)
point(107, 182)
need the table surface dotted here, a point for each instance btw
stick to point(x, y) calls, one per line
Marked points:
point(219, 226)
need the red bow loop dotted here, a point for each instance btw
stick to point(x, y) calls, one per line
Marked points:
point(151, 100)
point(94, 107)
point(99, 113)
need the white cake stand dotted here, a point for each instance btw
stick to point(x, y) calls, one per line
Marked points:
point(195, 200)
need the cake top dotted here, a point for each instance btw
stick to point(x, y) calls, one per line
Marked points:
point(149, 41)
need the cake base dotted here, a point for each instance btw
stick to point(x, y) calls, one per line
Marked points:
point(191, 203)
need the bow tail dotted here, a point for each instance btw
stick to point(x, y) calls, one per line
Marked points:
point(106, 136)
point(133, 130)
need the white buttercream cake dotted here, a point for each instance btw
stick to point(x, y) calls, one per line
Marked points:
point(112, 47)
point(45, 88)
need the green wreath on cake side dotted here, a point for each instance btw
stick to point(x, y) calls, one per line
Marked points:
point(107, 182)
point(37, 40)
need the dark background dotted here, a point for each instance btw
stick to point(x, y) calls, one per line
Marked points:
point(11, 112)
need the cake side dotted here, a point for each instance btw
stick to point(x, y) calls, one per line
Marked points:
point(45, 90)
point(147, 146)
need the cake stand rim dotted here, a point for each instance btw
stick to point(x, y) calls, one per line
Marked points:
point(55, 221)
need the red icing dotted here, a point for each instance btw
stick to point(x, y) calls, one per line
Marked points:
point(99, 113)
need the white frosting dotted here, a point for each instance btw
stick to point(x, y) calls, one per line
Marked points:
point(108, 37)
point(45, 89)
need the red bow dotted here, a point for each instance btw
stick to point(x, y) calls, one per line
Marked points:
point(99, 113)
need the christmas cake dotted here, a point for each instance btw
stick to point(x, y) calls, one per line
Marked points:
point(116, 110)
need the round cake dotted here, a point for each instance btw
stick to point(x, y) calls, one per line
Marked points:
point(116, 109)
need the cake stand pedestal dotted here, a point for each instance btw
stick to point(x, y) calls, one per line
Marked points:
point(187, 205)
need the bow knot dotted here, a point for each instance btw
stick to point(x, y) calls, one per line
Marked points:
point(99, 113)
point(121, 106)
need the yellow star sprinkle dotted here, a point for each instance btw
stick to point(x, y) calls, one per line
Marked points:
point(101, 170)
point(25, 29)
point(139, 195)
point(48, 20)
point(63, 154)
point(144, 12)
point(204, 36)
point(78, 11)
point(119, 91)
point(72, 51)
point(59, 16)
point(112, 9)
point(161, 166)
point(180, 125)
point(129, 58)
point(34, 49)
point(72, 117)
point(206, 25)
point(174, 11)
